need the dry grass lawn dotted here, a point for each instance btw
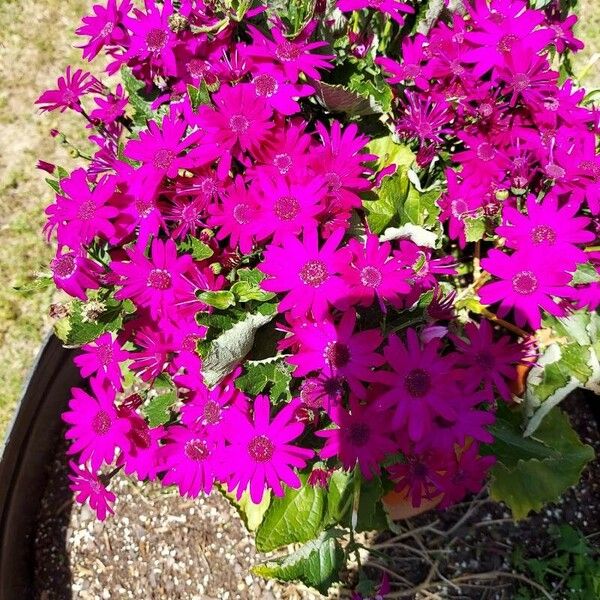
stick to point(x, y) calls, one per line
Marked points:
point(35, 45)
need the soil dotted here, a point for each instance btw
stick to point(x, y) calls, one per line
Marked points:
point(159, 546)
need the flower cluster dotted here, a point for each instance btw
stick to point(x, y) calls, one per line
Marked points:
point(252, 329)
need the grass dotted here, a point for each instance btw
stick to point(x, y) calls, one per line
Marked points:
point(36, 45)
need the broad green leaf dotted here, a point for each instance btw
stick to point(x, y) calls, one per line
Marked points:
point(390, 153)
point(371, 514)
point(420, 208)
point(38, 284)
point(199, 250)
point(222, 299)
point(158, 409)
point(585, 273)
point(274, 374)
point(337, 98)
point(252, 514)
point(295, 517)
point(391, 195)
point(248, 287)
point(339, 492)
point(530, 482)
point(199, 95)
point(316, 564)
point(138, 98)
point(229, 348)
point(474, 229)
point(378, 91)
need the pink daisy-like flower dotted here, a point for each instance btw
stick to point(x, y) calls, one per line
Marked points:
point(103, 357)
point(75, 274)
point(419, 384)
point(154, 351)
point(490, 363)
point(190, 458)
point(104, 27)
point(111, 107)
point(88, 488)
point(411, 69)
point(423, 119)
point(393, 8)
point(363, 436)
point(528, 282)
point(271, 84)
point(142, 456)
point(287, 207)
point(294, 56)
point(80, 214)
point(94, 425)
point(71, 88)
point(155, 282)
point(310, 275)
point(337, 350)
point(260, 454)
point(547, 225)
point(373, 273)
point(236, 216)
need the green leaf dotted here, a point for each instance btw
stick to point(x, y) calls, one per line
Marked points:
point(317, 564)
point(199, 95)
point(158, 409)
point(371, 514)
point(391, 195)
point(585, 273)
point(338, 98)
point(420, 208)
point(390, 153)
point(295, 517)
point(222, 299)
point(274, 374)
point(248, 287)
point(38, 284)
point(474, 229)
point(229, 348)
point(526, 484)
point(140, 99)
point(252, 514)
point(199, 250)
point(378, 91)
point(339, 492)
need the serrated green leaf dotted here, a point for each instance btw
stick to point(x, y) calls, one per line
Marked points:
point(222, 299)
point(474, 229)
point(529, 483)
point(245, 291)
point(339, 491)
point(76, 330)
point(139, 99)
point(586, 273)
point(199, 250)
point(251, 514)
point(371, 514)
point(420, 208)
point(199, 95)
point(158, 409)
point(275, 375)
point(39, 284)
point(317, 564)
point(295, 517)
point(390, 198)
point(390, 153)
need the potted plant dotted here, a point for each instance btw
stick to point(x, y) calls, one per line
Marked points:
point(309, 251)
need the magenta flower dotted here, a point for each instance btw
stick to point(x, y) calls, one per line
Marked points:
point(94, 426)
point(236, 216)
point(88, 488)
point(287, 207)
point(80, 214)
point(71, 88)
point(547, 225)
point(491, 364)
point(310, 275)
point(373, 273)
point(102, 357)
point(75, 274)
point(529, 281)
point(393, 8)
point(271, 84)
point(142, 455)
point(110, 108)
point(337, 350)
point(411, 69)
point(190, 458)
point(563, 34)
point(104, 28)
point(155, 282)
point(294, 56)
point(419, 384)
point(364, 436)
point(260, 455)
point(154, 350)
point(423, 119)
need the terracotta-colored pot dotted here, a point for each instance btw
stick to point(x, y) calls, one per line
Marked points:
point(398, 506)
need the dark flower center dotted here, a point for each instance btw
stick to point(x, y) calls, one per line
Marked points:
point(337, 354)
point(196, 450)
point(163, 159)
point(507, 41)
point(266, 85)
point(261, 449)
point(242, 213)
point(411, 71)
point(107, 29)
point(334, 181)
point(525, 283)
point(554, 171)
point(486, 152)
point(159, 279)
point(211, 412)
point(485, 360)
point(287, 52)
point(156, 39)
point(417, 383)
point(283, 163)
point(87, 210)
point(371, 276)
point(286, 208)
point(101, 423)
point(521, 82)
point(543, 234)
point(144, 207)
point(64, 266)
point(359, 434)
point(239, 124)
point(105, 354)
point(314, 273)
